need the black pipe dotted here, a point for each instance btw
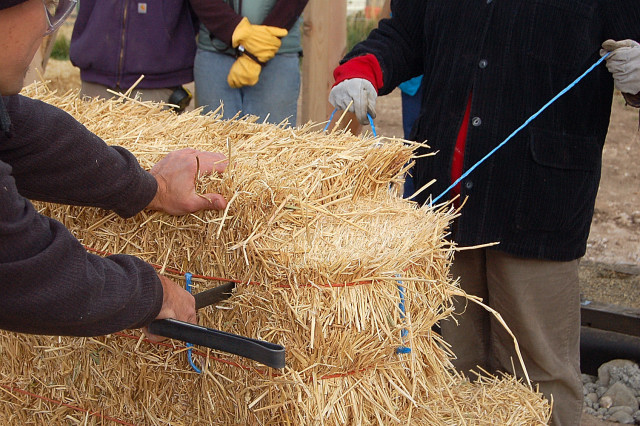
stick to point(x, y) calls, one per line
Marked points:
point(600, 346)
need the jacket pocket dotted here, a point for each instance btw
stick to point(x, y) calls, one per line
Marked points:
point(560, 181)
point(559, 31)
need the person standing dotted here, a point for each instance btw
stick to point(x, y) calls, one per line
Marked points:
point(487, 67)
point(248, 57)
point(114, 43)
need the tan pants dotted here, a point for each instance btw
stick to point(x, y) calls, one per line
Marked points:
point(540, 302)
point(94, 90)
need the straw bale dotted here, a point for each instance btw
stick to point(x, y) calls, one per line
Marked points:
point(319, 248)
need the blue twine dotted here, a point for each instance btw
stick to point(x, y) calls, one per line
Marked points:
point(565, 90)
point(404, 332)
point(330, 118)
point(373, 128)
point(188, 277)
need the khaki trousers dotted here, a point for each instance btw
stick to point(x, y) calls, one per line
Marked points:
point(540, 302)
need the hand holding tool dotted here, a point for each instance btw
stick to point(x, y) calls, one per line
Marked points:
point(269, 354)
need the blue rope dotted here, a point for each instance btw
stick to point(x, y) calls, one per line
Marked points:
point(373, 128)
point(565, 90)
point(330, 118)
point(404, 333)
point(188, 277)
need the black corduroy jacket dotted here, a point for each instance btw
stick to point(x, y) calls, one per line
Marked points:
point(535, 196)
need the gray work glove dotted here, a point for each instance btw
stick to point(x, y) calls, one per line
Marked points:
point(624, 64)
point(363, 94)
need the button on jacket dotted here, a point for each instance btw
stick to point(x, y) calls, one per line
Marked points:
point(536, 195)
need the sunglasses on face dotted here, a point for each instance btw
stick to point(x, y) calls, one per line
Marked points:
point(56, 12)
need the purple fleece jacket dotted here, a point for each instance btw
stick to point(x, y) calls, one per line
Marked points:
point(115, 41)
point(49, 284)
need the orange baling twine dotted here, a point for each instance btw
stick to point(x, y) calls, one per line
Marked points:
point(15, 389)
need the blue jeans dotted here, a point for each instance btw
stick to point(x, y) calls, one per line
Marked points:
point(275, 94)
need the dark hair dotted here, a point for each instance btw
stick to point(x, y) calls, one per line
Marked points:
point(5, 4)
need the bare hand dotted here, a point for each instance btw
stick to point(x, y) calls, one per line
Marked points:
point(177, 303)
point(176, 173)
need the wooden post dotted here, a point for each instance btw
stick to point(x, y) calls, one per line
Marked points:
point(324, 43)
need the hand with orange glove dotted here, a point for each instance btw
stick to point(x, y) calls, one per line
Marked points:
point(260, 41)
point(244, 72)
point(257, 44)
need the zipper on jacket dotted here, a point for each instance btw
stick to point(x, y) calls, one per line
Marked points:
point(122, 37)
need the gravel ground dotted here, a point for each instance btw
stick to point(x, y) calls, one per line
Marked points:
point(610, 284)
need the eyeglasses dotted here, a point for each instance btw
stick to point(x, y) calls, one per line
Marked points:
point(56, 12)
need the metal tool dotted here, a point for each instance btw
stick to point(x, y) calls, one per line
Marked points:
point(269, 354)
point(214, 295)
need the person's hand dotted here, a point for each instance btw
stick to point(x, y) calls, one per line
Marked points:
point(624, 64)
point(358, 90)
point(262, 41)
point(176, 174)
point(177, 303)
point(244, 72)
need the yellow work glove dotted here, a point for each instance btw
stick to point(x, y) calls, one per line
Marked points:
point(244, 72)
point(259, 40)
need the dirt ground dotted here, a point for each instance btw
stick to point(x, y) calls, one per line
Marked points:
point(610, 270)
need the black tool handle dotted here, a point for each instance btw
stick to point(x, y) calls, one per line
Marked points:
point(266, 353)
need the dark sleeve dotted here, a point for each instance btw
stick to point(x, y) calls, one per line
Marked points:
point(285, 13)
point(48, 283)
point(51, 285)
point(620, 19)
point(59, 160)
point(219, 18)
point(397, 43)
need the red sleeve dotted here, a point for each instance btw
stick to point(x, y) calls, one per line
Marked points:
point(219, 18)
point(366, 67)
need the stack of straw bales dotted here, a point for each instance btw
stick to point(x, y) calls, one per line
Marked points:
point(318, 246)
